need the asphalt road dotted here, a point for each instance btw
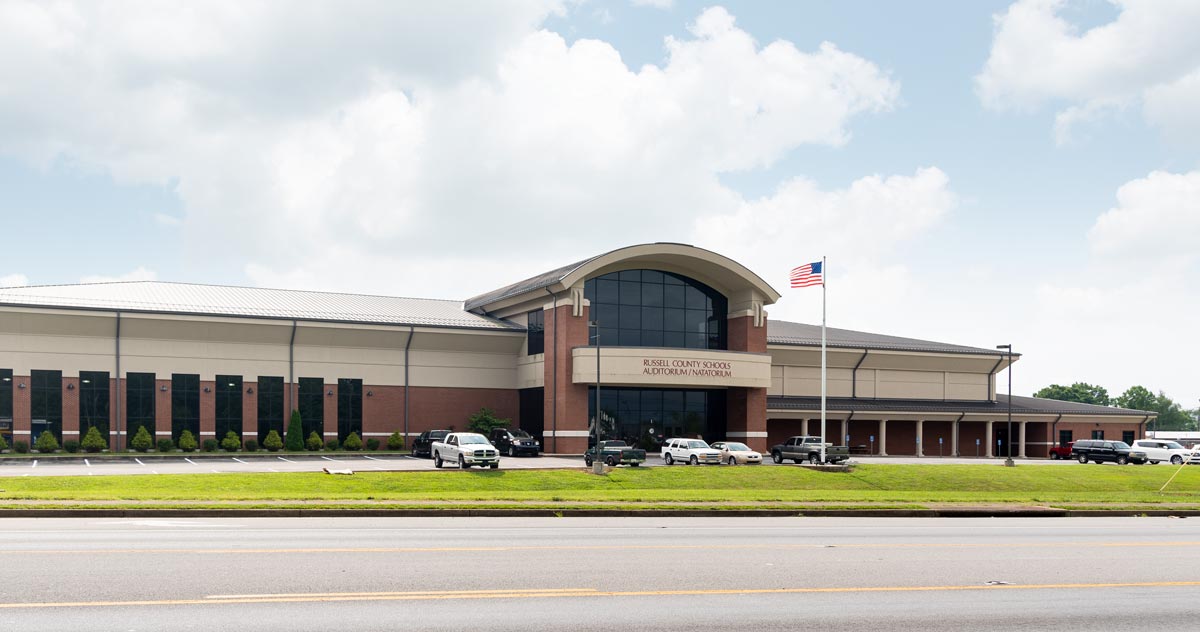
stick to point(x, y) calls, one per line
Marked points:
point(599, 574)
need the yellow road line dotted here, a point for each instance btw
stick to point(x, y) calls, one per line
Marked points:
point(567, 592)
point(613, 547)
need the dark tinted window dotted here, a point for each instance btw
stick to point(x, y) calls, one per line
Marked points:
point(139, 404)
point(6, 404)
point(647, 417)
point(270, 406)
point(94, 397)
point(649, 308)
point(537, 331)
point(312, 405)
point(185, 405)
point(45, 405)
point(349, 408)
point(229, 405)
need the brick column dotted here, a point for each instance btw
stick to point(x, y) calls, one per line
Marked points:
point(162, 411)
point(249, 411)
point(746, 410)
point(330, 429)
point(208, 412)
point(70, 408)
point(22, 409)
point(742, 335)
point(569, 399)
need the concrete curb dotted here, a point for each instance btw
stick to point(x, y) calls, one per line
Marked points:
point(1024, 512)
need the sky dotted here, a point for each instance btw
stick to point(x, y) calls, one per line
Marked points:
point(978, 173)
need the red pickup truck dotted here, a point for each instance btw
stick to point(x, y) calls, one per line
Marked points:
point(1061, 451)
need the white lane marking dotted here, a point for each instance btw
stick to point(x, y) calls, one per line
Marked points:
point(371, 457)
point(139, 461)
point(329, 459)
point(164, 523)
point(87, 462)
point(240, 461)
point(283, 459)
point(189, 460)
point(35, 462)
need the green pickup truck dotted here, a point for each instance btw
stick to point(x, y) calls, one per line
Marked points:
point(614, 452)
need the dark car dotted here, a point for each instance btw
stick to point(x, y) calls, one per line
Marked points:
point(514, 442)
point(1099, 451)
point(420, 445)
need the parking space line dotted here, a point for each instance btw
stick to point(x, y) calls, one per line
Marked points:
point(329, 459)
point(189, 460)
point(283, 459)
point(240, 461)
point(35, 462)
point(371, 457)
point(139, 461)
point(87, 462)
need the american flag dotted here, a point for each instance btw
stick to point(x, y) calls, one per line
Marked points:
point(808, 275)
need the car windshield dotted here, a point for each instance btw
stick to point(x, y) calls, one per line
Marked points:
point(613, 444)
point(697, 445)
point(471, 438)
point(521, 434)
point(737, 447)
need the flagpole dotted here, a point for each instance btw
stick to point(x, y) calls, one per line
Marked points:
point(824, 276)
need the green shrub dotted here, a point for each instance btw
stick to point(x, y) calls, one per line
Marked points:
point(252, 445)
point(209, 445)
point(331, 445)
point(3, 443)
point(232, 442)
point(294, 439)
point(165, 445)
point(352, 442)
point(372, 444)
point(21, 447)
point(313, 443)
point(93, 442)
point(485, 421)
point(141, 441)
point(46, 443)
point(187, 441)
point(395, 441)
point(71, 446)
point(273, 442)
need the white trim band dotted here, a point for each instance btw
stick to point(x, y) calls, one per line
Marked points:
point(749, 435)
point(568, 433)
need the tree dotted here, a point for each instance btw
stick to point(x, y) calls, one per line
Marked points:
point(485, 421)
point(93, 442)
point(1172, 416)
point(1081, 392)
point(295, 433)
point(1137, 398)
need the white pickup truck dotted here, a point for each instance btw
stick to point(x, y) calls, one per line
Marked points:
point(466, 449)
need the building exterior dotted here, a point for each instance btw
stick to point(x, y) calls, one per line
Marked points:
point(682, 346)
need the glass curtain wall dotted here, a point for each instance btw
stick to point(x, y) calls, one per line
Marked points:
point(45, 404)
point(647, 417)
point(649, 308)
point(228, 405)
point(139, 404)
point(537, 331)
point(94, 398)
point(185, 405)
point(312, 406)
point(270, 406)
point(349, 408)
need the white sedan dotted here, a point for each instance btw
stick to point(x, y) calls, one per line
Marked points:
point(735, 453)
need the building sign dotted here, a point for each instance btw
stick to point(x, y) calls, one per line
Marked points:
point(688, 368)
point(691, 368)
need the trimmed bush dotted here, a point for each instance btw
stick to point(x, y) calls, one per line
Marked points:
point(46, 443)
point(372, 444)
point(313, 443)
point(3, 443)
point(352, 442)
point(331, 445)
point(164, 445)
point(71, 445)
point(232, 442)
point(21, 447)
point(252, 445)
point(93, 442)
point(273, 443)
point(209, 445)
point(187, 441)
point(395, 441)
point(295, 433)
point(485, 421)
point(141, 441)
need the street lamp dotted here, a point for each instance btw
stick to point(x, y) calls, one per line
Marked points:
point(597, 464)
point(1008, 462)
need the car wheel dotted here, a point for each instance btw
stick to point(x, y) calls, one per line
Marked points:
point(512, 451)
point(1176, 460)
point(1053, 456)
point(693, 460)
point(1122, 460)
point(437, 460)
point(777, 457)
point(1083, 458)
point(669, 459)
point(814, 459)
point(611, 461)
point(732, 461)
point(462, 463)
point(587, 460)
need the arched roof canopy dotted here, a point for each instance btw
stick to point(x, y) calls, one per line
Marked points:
point(717, 271)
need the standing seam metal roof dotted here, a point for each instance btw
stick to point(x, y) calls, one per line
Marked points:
point(246, 302)
point(782, 332)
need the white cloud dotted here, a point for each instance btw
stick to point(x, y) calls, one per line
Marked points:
point(14, 280)
point(1146, 53)
point(1156, 222)
point(657, 4)
point(138, 274)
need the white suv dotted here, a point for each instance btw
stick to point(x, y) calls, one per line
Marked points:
point(690, 451)
point(1158, 450)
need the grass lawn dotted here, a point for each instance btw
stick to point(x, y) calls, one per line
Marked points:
point(908, 486)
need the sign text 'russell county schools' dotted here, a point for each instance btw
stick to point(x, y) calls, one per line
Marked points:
point(691, 368)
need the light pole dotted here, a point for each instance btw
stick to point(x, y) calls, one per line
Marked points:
point(1008, 462)
point(597, 463)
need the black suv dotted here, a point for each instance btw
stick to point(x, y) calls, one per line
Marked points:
point(1099, 451)
point(420, 445)
point(514, 442)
